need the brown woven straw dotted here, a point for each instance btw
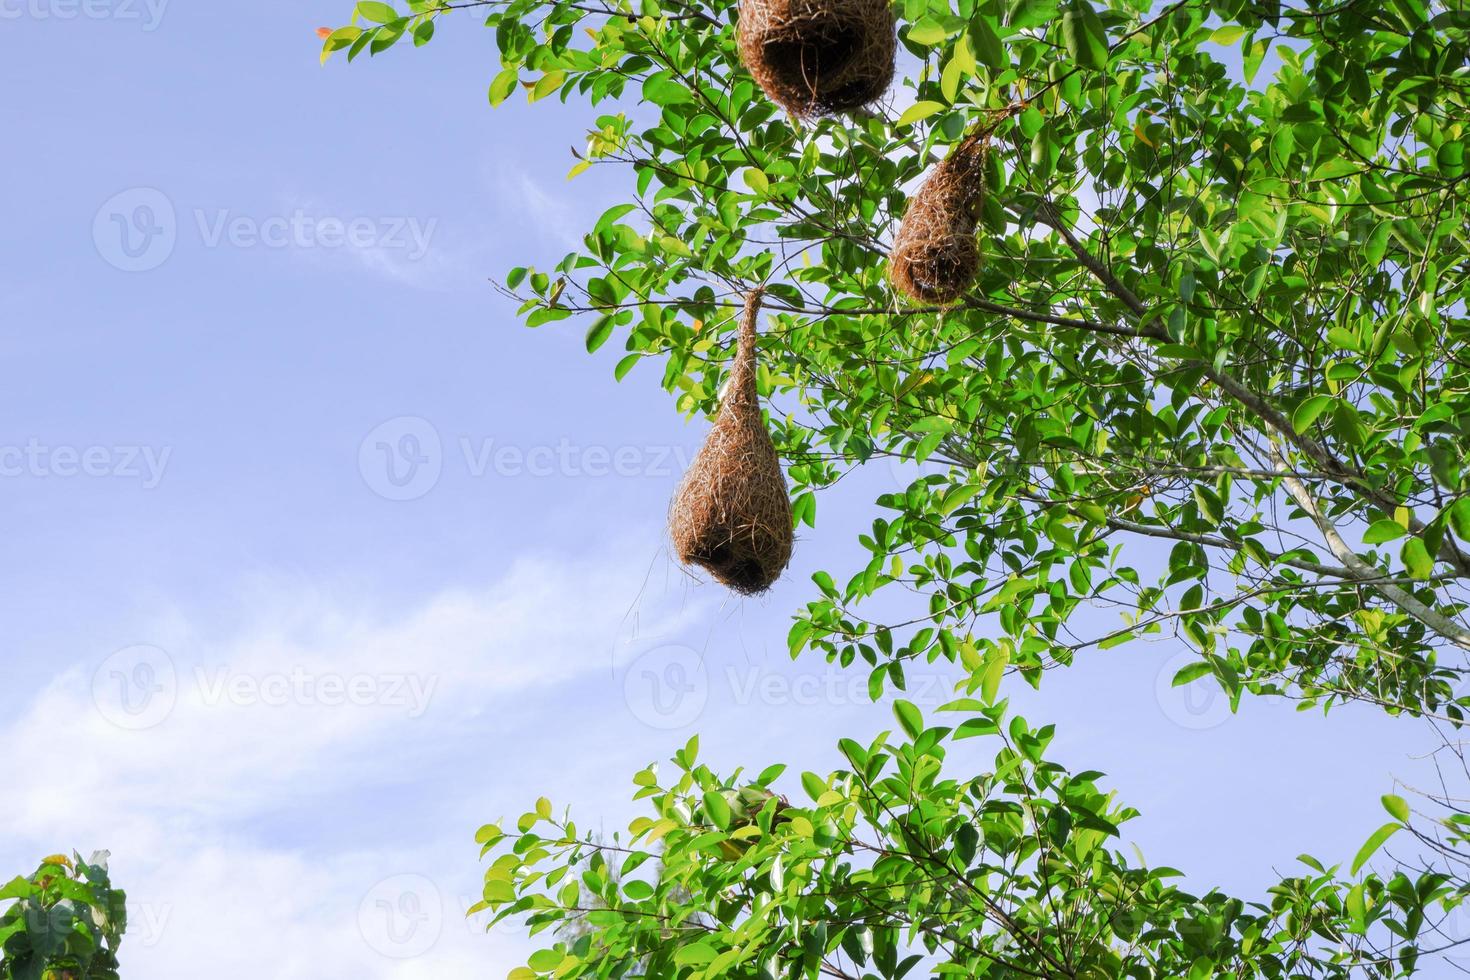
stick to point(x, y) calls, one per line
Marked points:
point(732, 514)
point(816, 57)
point(935, 256)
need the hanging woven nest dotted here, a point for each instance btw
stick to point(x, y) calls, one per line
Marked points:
point(935, 257)
point(732, 514)
point(817, 57)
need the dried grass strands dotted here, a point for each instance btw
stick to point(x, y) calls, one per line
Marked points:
point(732, 513)
point(817, 57)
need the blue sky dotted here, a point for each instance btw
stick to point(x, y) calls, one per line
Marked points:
point(348, 670)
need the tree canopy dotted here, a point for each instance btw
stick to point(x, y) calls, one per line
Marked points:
point(1220, 318)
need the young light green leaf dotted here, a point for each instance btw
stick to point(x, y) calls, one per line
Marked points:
point(378, 13)
point(1374, 843)
point(1396, 807)
point(1383, 530)
point(909, 717)
point(917, 111)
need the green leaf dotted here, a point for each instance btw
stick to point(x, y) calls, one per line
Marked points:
point(1383, 530)
point(1031, 121)
point(986, 43)
point(1308, 411)
point(927, 32)
point(599, 332)
point(909, 717)
point(966, 841)
point(975, 727)
point(547, 84)
point(695, 954)
point(1417, 559)
point(503, 84)
point(662, 88)
point(1459, 518)
point(1396, 807)
point(545, 960)
point(995, 668)
point(625, 365)
point(1084, 37)
point(339, 39)
point(1374, 843)
point(1192, 672)
point(1032, 13)
point(718, 809)
point(378, 13)
point(1254, 55)
point(917, 111)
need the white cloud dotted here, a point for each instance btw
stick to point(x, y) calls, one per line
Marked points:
point(216, 813)
point(553, 217)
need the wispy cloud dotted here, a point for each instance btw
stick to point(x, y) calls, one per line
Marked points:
point(245, 805)
point(421, 250)
point(552, 215)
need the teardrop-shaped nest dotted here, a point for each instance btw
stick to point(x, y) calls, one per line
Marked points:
point(732, 513)
point(935, 257)
point(817, 57)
